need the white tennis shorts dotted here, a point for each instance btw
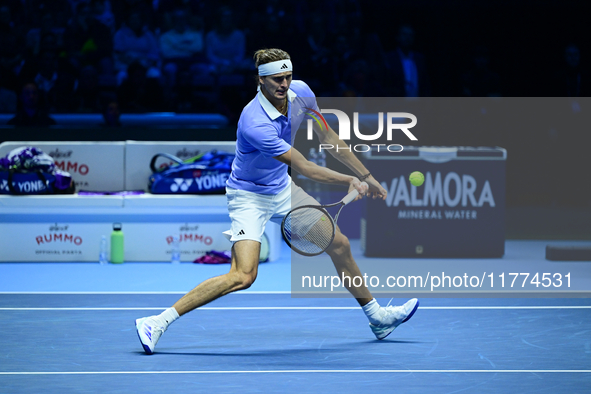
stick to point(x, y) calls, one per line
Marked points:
point(250, 212)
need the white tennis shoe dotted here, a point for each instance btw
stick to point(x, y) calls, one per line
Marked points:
point(393, 316)
point(149, 331)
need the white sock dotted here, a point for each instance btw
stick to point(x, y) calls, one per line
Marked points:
point(168, 316)
point(372, 311)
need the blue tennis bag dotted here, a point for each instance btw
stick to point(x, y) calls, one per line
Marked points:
point(203, 174)
point(29, 171)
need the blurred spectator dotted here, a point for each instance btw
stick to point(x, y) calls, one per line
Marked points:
point(86, 39)
point(226, 45)
point(569, 79)
point(182, 41)
point(103, 13)
point(358, 81)
point(134, 42)
point(341, 56)
point(107, 79)
point(74, 4)
point(87, 94)
point(139, 93)
point(16, 8)
point(54, 77)
point(480, 80)
point(270, 31)
point(272, 26)
point(8, 98)
point(276, 8)
point(122, 8)
point(182, 47)
point(111, 115)
point(318, 45)
point(29, 112)
point(11, 44)
point(359, 64)
point(407, 66)
point(50, 5)
point(48, 27)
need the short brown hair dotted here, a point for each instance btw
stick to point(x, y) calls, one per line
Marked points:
point(263, 56)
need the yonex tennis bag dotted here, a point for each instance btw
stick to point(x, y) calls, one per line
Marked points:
point(29, 171)
point(204, 174)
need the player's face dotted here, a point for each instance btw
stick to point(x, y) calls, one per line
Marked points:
point(277, 85)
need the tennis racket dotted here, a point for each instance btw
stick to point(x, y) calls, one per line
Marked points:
point(309, 230)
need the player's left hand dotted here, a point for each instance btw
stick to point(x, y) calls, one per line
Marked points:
point(361, 187)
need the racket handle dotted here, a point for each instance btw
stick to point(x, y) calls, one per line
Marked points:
point(350, 197)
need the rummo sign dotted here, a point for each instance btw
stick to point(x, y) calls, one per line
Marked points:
point(191, 234)
point(59, 234)
point(153, 241)
point(65, 162)
point(51, 241)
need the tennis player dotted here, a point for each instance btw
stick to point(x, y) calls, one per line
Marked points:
point(259, 189)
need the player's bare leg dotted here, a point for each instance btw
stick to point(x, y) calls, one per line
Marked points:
point(382, 321)
point(243, 272)
point(342, 258)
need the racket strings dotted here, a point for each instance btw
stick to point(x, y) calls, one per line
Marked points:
point(310, 230)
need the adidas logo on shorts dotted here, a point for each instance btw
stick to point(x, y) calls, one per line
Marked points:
point(241, 232)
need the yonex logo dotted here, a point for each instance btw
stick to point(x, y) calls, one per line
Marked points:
point(284, 66)
point(241, 232)
point(24, 187)
point(181, 184)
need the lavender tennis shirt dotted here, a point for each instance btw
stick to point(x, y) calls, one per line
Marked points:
point(264, 133)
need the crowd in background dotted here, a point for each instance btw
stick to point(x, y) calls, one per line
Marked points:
point(96, 56)
point(195, 56)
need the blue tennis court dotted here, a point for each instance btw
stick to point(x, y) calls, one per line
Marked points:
point(70, 328)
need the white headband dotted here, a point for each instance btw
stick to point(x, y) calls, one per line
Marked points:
point(275, 67)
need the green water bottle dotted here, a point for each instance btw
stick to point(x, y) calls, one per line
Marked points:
point(117, 244)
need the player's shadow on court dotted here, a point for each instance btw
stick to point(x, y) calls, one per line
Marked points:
point(392, 341)
point(283, 352)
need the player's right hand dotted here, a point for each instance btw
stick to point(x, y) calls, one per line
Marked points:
point(375, 189)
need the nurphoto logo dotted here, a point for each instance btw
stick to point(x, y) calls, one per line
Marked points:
point(344, 129)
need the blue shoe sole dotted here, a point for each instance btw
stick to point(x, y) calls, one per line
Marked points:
point(411, 313)
point(405, 320)
point(146, 348)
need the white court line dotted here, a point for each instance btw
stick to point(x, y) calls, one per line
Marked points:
point(240, 308)
point(310, 371)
